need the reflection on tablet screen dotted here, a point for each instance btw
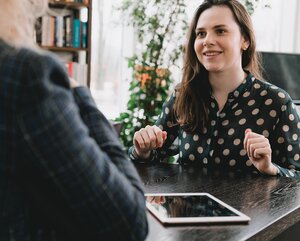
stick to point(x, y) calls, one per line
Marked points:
point(191, 206)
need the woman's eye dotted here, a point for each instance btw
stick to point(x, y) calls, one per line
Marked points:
point(200, 34)
point(220, 31)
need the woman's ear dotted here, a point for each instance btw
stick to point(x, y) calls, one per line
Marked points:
point(245, 45)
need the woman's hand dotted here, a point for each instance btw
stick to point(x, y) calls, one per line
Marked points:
point(147, 139)
point(259, 152)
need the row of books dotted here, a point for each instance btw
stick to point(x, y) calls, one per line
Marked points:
point(62, 31)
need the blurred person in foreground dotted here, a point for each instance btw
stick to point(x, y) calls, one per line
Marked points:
point(63, 173)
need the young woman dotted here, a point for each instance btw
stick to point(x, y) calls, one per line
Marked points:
point(63, 173)
point(223, 115)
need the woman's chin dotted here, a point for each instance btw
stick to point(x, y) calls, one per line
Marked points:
point(213, 68)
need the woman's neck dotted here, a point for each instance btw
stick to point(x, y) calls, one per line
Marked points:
point(226, 82)
point(223, 83)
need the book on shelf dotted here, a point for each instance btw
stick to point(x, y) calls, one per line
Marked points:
point(63, 28)
point(76, 32)
point(59, 31)
point(84, 29)
point(68, 31)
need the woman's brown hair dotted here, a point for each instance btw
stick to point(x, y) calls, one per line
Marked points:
point(194, 91)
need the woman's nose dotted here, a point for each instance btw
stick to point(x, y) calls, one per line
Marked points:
point(208, 40)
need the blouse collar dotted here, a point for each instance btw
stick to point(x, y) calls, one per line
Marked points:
point(241, 89)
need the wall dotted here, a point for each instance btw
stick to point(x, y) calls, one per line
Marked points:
point(278, 28)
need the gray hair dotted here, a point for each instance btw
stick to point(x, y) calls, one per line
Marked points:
point(17, 21)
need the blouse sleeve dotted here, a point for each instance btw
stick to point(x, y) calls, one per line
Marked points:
point(286, 146)
point(167, 122)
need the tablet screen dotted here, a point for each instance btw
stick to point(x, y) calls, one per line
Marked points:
point(192, 207)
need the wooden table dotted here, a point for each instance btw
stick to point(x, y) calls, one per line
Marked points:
point(272, 203)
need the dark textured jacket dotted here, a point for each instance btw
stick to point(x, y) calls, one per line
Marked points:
point(63, 172)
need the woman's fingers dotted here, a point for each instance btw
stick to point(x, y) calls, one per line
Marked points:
point(249, 135)
point(257, 150)
point(263, 151)
point(150, 137)
point(140, 139)
point(159, 137)
point(256, 145)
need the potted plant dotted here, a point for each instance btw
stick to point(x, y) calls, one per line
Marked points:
point(160, 27)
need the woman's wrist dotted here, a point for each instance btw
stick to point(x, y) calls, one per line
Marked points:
point(271, 170)
point(139, 155)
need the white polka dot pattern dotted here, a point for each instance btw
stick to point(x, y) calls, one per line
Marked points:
point(226, 152)
point(251, 102)
point(242, 121)
point(263, 93)
point(195, 137)
point(265, 133)
point(200, 149)
point(272, 113)
point(192, 157)
point(231, 131)
point(264, 108)
point(236, 142)
point(220, 141)
point(260, 122)
point(246, 94)
point(255, 111)
point(248, 163)
point(268, 102)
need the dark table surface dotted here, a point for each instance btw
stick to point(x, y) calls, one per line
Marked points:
point(272, 203)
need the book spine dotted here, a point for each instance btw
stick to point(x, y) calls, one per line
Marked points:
point(76, 33)
point(83, 34)
point(45, 30)
point(60, 31)
point(52, 31)
point(68, 31)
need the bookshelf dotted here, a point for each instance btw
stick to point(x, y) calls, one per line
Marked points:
point(66, 31)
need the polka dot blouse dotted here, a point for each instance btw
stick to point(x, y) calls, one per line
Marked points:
point(260, 106)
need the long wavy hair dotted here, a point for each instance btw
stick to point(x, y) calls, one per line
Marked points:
point(18, 19)
point(194, 90)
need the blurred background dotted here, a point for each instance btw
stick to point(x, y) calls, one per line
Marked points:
point(277, 28)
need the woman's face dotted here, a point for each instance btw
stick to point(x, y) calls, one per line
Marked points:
point(219, 42)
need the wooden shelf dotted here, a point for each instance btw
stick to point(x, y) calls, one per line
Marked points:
point(68, 5)
point(63, 49)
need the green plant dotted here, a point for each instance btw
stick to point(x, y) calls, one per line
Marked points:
point(252, 4)
point(160, 26)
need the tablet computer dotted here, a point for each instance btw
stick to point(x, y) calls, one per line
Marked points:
point(176, 208)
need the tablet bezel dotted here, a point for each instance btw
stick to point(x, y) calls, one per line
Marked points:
point(240, 218)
